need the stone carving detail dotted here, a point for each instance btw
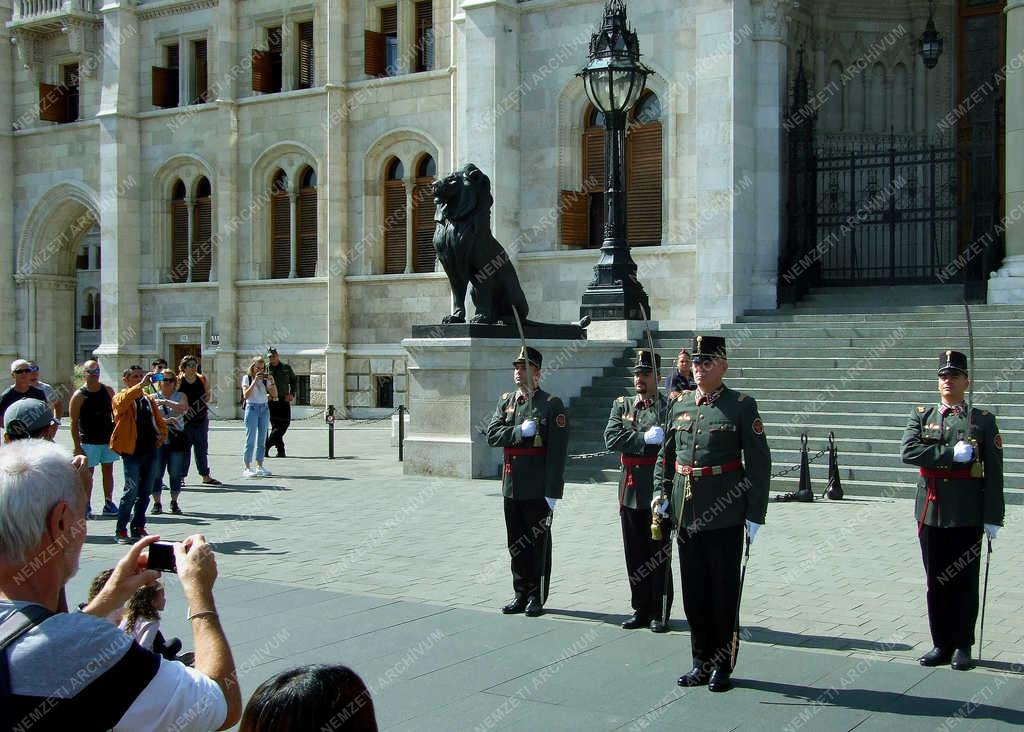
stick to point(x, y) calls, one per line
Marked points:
point(30, 50)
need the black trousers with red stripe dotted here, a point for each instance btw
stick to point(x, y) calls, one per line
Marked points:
point(952, 564)
point(710, 565)
point(647, 561)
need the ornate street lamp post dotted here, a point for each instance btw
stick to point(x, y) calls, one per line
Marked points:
point(614, 80)
point(929, 45)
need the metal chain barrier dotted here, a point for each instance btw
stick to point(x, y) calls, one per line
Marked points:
point(587, 455)
point(790, 469)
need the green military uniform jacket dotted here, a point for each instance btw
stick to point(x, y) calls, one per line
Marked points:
point(928, 443)
point(284, 379)
point(716, 434)
point(531, 476)
point(624, 433)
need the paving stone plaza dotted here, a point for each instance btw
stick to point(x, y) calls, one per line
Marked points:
point(348, 561)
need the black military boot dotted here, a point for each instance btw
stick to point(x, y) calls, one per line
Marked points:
point(516, 605)
point(720, 680)
point(534, 607)
point(697, 676)
point(936, 657)
point(636, 620)
point(962, 660)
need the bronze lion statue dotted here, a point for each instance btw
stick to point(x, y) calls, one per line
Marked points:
point(471, 256)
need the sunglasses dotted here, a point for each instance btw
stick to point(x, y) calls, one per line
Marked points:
point(190, 364)
point(94, 372)
point(30, 370)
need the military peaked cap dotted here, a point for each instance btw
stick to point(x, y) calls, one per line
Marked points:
point(531, 354)
point(708, 347)
point(952, 361)
point(643, 361)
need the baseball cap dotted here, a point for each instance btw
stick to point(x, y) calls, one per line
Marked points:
point(27, 416)
point(19, 363)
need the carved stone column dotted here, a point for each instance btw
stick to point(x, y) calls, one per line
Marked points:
point(8, 310)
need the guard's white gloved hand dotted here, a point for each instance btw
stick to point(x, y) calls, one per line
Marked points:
point(991, 530)
point(752, 530)
point(529, 428)
point(654, 436)
point(660, 506)
point(962, 452)
point(551, 502)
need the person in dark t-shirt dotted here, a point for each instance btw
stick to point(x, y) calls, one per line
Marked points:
point(21, 373)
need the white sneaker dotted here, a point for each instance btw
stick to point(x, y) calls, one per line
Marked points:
point(249, 473)
point(262, 472)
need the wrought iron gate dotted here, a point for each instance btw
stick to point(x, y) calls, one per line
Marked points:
point(886, 212)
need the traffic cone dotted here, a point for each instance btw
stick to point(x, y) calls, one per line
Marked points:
point(835, 488)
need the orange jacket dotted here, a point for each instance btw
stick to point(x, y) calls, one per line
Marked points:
point(126, 432)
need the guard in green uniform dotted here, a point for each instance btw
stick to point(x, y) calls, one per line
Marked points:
point(960, 455)
point(635, 430)
point(533, 428)
point(716, 463)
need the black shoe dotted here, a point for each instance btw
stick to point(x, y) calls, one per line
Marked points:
point(720, 680)
point(659, 627)
point(636, 620)
point(696, 676)
point(280, 452)
point(936, 657)
point(962, 660)
point(157, 508)
point(176, 509)
point(517, 605)
point(533, 607)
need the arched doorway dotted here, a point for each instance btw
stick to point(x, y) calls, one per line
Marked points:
point(45, 276)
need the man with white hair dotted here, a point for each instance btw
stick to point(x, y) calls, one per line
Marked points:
point(77, 670)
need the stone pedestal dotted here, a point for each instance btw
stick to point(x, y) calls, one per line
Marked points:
point(454, 385)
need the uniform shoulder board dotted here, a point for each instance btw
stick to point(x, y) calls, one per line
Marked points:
point(551, 397)
point(504, 396)
point(922, 410)
point(621, 400)
point(742, 397)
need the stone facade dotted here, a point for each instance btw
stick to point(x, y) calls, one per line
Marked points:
point(501, 93)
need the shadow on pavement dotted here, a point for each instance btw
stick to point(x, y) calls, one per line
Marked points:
point(231, 516)
point(243, 547)
point(236, 488)
point(317, 477)
point(801, 640)
point(888, 702)
point(1004, 666)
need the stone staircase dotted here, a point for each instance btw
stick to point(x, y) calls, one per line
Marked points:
point(851, 360)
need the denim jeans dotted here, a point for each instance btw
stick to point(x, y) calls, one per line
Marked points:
point(198, 435)
point(257, 422)
point(140, 473)
point(175, 464)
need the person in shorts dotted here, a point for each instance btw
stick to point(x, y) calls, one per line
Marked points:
point(92, 422)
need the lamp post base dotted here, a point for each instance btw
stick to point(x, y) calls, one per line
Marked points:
point(619, 301)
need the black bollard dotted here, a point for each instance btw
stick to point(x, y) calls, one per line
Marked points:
point(329, 418)
point(401, 432)
point(803, 490)
point(835, 488)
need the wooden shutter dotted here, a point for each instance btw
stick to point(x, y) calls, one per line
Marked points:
point(199, 71)
point(643, 187)
point(262, 71)
point(423, 254)
point(389, 20)
point(374, 55)
point(52, 103)
point(172, 56)
point(425, 35)
point(280, 235)
point(573, 226)
point(594, 176)
point(202, 242)
point(307, 56)
point(395, 217)
point(306, 244)
point(179, 241)
point(165, 87)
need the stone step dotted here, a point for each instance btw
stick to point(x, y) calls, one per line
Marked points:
point(1009, 345)
point(987, 362)
point(757, 385)
point(796, 421)
point(878, 330)
point(896, 315)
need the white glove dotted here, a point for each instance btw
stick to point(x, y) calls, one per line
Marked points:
point(752, 530)
point(991, 530)
point(654, 436)
point(551, 502)
point(529, 428)
point(962, 452)
point(660, 507)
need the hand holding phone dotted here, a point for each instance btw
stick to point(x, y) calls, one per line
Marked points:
point(161, 557)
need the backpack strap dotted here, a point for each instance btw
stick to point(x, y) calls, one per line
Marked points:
point(16, 625)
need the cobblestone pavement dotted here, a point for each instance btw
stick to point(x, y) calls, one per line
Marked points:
point(401, 577)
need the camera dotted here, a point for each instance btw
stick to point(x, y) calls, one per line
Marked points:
point(156, 377)
point(161, 557)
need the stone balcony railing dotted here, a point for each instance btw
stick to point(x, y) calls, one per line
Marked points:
point(42, 14)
